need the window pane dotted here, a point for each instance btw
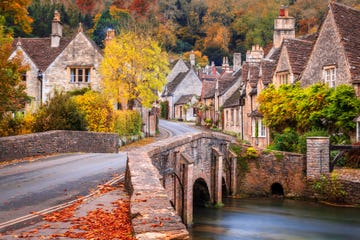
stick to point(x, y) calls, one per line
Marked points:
point(80, 75)
point(72, 75)
point(87, 75)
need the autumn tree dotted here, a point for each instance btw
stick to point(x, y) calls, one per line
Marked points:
point(200, 59)
point(134, 69)
point(12, 89)
point(16, 15)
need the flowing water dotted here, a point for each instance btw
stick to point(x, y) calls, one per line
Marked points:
point(275, 219)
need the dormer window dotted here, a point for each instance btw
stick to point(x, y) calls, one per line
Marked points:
point(80, 75)
point(329, 73)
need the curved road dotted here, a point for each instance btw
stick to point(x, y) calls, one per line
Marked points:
point(33, 186)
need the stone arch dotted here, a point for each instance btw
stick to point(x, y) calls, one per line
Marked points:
point(201, 193)
point(277, 189)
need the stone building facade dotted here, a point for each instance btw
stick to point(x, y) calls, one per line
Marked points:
point(59, 63)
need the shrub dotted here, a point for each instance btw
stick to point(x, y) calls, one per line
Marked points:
point(164, 110)
point(59, 113)
point(330, 189)
point(127, 122)
point(15, 125)
point(98, 111)
point(286, 141)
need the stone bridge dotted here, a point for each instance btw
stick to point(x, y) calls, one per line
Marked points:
point(171, 177)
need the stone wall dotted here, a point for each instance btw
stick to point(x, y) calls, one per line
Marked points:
point(287, 169)
point(45, 143)
point(317, 155)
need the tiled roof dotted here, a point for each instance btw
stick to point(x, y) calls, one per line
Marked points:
point(171, 86)
point(250, 72)
point(233, 100)
point(40, 50)
point(227, 80)
point(267, 68)
point(299, 52)
point(348, 23)
point(184, 99)
point(208, 89)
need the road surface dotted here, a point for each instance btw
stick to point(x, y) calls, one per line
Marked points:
point(33, 186)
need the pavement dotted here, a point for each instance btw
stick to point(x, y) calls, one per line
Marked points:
point(63, 223)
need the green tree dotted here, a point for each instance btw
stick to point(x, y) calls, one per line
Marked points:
point(59, 113)
point(134, 69)
point(12, 89)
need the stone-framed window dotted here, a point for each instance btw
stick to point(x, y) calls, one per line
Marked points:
point(258, 128)
point(80, 74)
point(329, 75)
point(283, 77)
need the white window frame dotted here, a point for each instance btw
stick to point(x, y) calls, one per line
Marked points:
point(80, 75)
point(260, 127)
point(329, 75)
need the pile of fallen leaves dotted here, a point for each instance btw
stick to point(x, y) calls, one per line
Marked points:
point(98, 224)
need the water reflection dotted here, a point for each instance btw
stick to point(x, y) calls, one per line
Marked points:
point(275, 219)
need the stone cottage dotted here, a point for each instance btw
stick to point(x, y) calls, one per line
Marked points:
point(335, 58)
point(59, 63)
point(182, 90)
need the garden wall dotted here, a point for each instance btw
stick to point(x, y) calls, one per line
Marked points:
point(59, 141)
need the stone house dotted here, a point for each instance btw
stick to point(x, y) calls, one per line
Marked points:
point(183, 81)
point(335, 58)
point(185, 107)
point(59, 63)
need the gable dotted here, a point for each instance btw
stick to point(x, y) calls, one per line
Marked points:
point(283, 62)
point(179, 67)
point(327, 51)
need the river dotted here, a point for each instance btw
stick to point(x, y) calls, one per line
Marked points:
point(275, 219)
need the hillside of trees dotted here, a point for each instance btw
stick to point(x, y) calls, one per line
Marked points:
point(216, 28)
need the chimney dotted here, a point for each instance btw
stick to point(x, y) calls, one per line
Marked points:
point(255, 54)
point(237, 61)
point(225, 64)
point(192, 59)
point(110, 34)
point(213, 68)
point(56, 30)
point(284, 27)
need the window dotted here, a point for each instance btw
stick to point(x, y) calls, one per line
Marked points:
point(23, 77)
point(330, 76)
point(258, 128)
point(79, 75)
point(283, 78)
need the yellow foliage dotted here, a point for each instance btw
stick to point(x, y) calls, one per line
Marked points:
point(134, 68)
point(127, 122)
point(98, 111)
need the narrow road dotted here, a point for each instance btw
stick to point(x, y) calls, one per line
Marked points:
point(33, 186)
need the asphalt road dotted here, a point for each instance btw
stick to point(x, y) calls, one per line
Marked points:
point(33, 186)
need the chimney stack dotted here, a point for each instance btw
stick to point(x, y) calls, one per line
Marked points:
point(255, 54)
point(192, 59)
point(284, 27)
point(237, 61)
point(56, 30)
point(110, 34)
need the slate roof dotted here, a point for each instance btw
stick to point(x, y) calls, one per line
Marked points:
point(184, 99)
point(250, 72)
point(208, 89)
point(267, 68)
point(347, 21)
point(171, 86)
point(226, 81)
point(232, 101)
point(298, 52)
point(40, 50)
